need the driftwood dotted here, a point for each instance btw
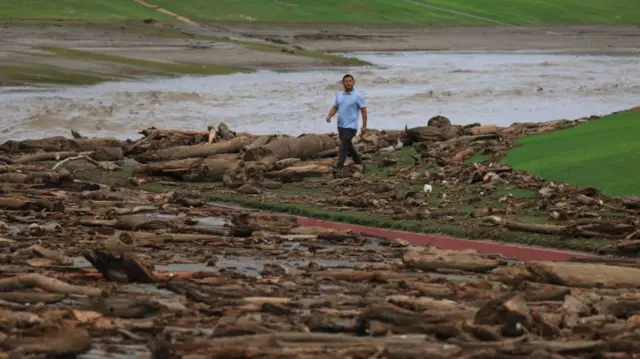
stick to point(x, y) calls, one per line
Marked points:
point(59, 144)
point(196, 151)
point(482, 130)
point(107, 166)
point(66, 343)
point(45, 283)
point(598, 229)
point(431, 258)
point(21, 203)
point(305, 170)
point(303, 147)
point(585, 275)
point(431, 133)
point(194, 169)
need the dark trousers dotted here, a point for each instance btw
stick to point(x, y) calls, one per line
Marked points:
point(347, 148)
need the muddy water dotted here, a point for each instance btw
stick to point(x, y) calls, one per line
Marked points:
point(402, 89)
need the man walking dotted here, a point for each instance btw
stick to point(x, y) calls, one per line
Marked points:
point(348, 105)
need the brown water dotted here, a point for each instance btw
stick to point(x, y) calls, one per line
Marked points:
point(403, 89)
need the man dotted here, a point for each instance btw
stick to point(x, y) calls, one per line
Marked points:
point(348, 105)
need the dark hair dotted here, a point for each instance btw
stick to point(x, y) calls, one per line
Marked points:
point(346, 77)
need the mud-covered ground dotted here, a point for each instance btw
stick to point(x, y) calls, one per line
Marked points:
point(34, 52)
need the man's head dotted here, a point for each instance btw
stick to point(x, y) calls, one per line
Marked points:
point(348, 82)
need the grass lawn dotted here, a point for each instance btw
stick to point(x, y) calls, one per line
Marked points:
point(93, 10)
point(603, 153)
point(312, 11)
point(545, 12)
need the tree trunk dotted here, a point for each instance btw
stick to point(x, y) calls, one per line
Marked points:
point(430, 259)
point(303, 147)
point(585, 275)
point(483, 130)
point(191, 169)
point(21, 203)
point(304, 170)
point(59, 144)
point(195, 151)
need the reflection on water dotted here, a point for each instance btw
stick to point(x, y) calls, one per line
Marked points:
point(405, 88)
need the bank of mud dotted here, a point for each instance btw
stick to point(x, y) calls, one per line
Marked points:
point(82, 53)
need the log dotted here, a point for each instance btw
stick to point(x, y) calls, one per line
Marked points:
point(45, 283)
point(59, 144)
point(528, 227)
point(43, 156)
point(584, 275)
point(432, 134)
point(482, 130)
point(191, 169)
point(196, 151)
point(136, 223)
point(32, 297)
point(298, 171)
point(259, 142)
point(600, 229)
point(303, 147)
point(21, 203)
point(402, 321)
point(64, 344)
point(431, 259)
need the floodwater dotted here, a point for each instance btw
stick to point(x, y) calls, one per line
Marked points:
point(402, 89)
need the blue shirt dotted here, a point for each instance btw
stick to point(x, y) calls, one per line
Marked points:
point(348, 105)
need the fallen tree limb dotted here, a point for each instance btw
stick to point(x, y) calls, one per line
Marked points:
point(195, 151)
point(21, 203)
point(599, 229)
point(60, 144)
point(303, 147)
point(66, 343)
point(107, 166)
point(45, 283)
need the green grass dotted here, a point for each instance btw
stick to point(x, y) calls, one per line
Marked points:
point(92, 10)
point(314, 11)
point(604, 153)
point(546, 12)
point(157, 67)
point(21, 74)
point(517, 12)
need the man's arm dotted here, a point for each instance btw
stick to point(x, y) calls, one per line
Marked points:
point(363, 110)
point(333, 110)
